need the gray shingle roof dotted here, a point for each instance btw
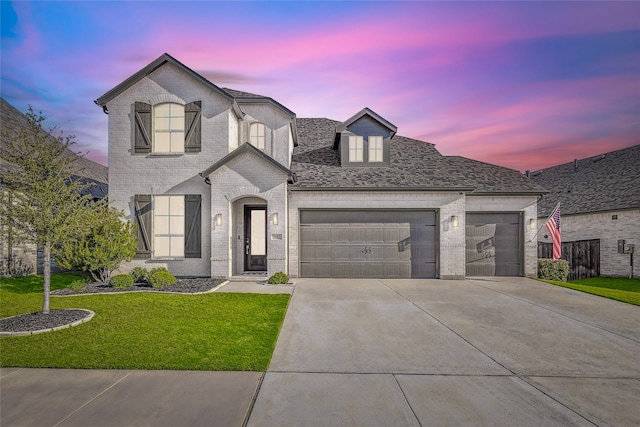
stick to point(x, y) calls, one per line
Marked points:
point(414, 165)
point(610, 181)
point(13, 121)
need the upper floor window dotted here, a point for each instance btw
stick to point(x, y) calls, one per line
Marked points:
point(168, 128)
point(375, 149)
point(356, 148)
point(257, 135)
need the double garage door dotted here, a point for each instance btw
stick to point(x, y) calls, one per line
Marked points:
point(365, 243)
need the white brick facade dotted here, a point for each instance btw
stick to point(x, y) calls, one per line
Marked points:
point(248, 178)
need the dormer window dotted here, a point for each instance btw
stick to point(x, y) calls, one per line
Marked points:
point(356, 149)
point(168, 128)
point(375, 149)
point(257, 135)
point(364, 140)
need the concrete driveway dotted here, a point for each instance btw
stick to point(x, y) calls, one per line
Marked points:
point(499, 352)
point(494, 351)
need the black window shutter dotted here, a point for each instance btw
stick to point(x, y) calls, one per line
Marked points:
point(192, 226)
point(143, 224)
point(192, 127)
point(143, 128)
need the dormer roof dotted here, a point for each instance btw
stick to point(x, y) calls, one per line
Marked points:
point(343, 127)
point(366, 111)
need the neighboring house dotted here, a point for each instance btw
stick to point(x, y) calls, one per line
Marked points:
point(16, 256)
point(223, 183)
point(600, 205)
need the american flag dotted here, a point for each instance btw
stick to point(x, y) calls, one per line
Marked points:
point(553, 225)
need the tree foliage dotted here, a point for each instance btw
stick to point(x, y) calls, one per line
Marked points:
point(40, 191)
point(100, 245)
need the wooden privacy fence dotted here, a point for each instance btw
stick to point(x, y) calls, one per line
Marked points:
point(583, 257)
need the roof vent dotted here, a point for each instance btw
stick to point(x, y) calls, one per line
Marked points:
point(575, 165)
point(536, 173)
point(598, 158)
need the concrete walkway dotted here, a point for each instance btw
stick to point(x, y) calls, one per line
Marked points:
point(381, 353)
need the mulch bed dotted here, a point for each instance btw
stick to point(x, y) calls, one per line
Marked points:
point(56, 318)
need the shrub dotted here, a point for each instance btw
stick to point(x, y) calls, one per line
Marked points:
point(101, 241)
point(140, 274)
point(278, 278)
point(550, 269)
point(161, 277)
point(78, 285)
point(121, 281)
point(156, 269)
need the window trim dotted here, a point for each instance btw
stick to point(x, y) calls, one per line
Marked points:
point(170, 235)
point(263, 137)
point(379, 149)
point(173, 128)
point(356, 149)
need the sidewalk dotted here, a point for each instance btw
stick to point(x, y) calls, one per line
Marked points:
point(109, 398)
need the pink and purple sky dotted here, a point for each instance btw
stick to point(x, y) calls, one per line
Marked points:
point(519, 84)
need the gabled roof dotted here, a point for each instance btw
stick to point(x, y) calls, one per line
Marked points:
point(163, 59)
point(606, 182)
point(367, 112)
point(249, 98)
point(414, 165)
point(245, 148)
point(13, 121)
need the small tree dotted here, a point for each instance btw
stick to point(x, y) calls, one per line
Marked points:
point(102, 243)
point(40, 192)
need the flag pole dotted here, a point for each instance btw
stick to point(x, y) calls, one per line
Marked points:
point(544, 223)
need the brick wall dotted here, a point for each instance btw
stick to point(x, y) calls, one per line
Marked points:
point(602, 226)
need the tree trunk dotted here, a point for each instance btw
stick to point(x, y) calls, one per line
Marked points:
point(47, 276)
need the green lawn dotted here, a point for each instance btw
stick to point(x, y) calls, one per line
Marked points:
point(215, 331)
point(618, 288)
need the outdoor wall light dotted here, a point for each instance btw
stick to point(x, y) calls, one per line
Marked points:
point(274, 218)
point(532, 223)
point(218, 219)
point(454, 221)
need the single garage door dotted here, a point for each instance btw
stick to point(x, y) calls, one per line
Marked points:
point(364, 243)
point(493, 244)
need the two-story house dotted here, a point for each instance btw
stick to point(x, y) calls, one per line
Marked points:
point(223, 183)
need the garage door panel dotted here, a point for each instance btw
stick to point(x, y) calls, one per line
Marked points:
point(493, 244)
point(368, 243)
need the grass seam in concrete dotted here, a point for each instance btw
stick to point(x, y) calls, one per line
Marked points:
point(524, 379)
point(247, 415)
point(93, 399)
point(563, 314)
point(447, 327)
point(404, 396)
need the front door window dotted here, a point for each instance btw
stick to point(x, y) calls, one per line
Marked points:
point(255, 218)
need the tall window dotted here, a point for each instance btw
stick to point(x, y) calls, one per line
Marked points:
point(168, 126)
point(355, 148)
point(256, 134)
point(375, 148)
point(168, 226)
